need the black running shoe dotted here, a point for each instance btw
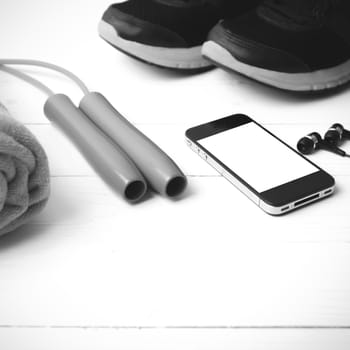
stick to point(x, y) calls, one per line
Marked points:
point(299, 45)
point(167, 33)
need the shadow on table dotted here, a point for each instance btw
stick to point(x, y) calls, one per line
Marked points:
point(292, 96)
point(58, 210)
point(270, 92)
point(21, 235)
point(159, 71)
point(255, 86)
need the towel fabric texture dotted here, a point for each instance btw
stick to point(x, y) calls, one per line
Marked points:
point(24, 174)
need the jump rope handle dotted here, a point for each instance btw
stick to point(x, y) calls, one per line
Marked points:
point(108, 160)
point(161, 172)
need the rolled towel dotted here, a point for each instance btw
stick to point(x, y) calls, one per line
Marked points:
point(24, 174)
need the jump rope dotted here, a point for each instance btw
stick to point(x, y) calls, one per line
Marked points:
point(121, 154)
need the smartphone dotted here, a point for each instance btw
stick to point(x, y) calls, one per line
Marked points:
point(272, 174)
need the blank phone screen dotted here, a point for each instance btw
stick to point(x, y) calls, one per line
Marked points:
point(257, 157)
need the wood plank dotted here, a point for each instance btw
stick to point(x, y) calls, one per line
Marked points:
point(91, 259)
point(166, 98)
point(65, 159)
point(211, 259)
point(163, 339)
point(142, 92)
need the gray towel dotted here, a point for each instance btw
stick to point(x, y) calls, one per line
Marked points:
point(24, 174)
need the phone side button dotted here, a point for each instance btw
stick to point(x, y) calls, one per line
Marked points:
point(204, 156)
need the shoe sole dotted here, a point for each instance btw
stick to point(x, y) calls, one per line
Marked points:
point(314, 81)
point(175, 58)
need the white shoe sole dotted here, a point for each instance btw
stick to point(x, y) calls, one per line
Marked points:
point(313, 81)
point(190, 58)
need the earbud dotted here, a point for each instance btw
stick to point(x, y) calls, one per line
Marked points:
point(311, 142)
point(336, 134)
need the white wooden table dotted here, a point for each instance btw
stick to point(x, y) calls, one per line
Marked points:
point(208, 271)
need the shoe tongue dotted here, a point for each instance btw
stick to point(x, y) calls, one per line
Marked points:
point(295, 14)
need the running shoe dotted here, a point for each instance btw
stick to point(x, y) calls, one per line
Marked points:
point(167, 33)
point(297, 45)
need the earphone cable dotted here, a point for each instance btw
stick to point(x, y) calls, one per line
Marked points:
point(28, 79)
point(47, 65)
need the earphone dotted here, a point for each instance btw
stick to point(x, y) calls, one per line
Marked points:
point(336, 134)
point(314, 141)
